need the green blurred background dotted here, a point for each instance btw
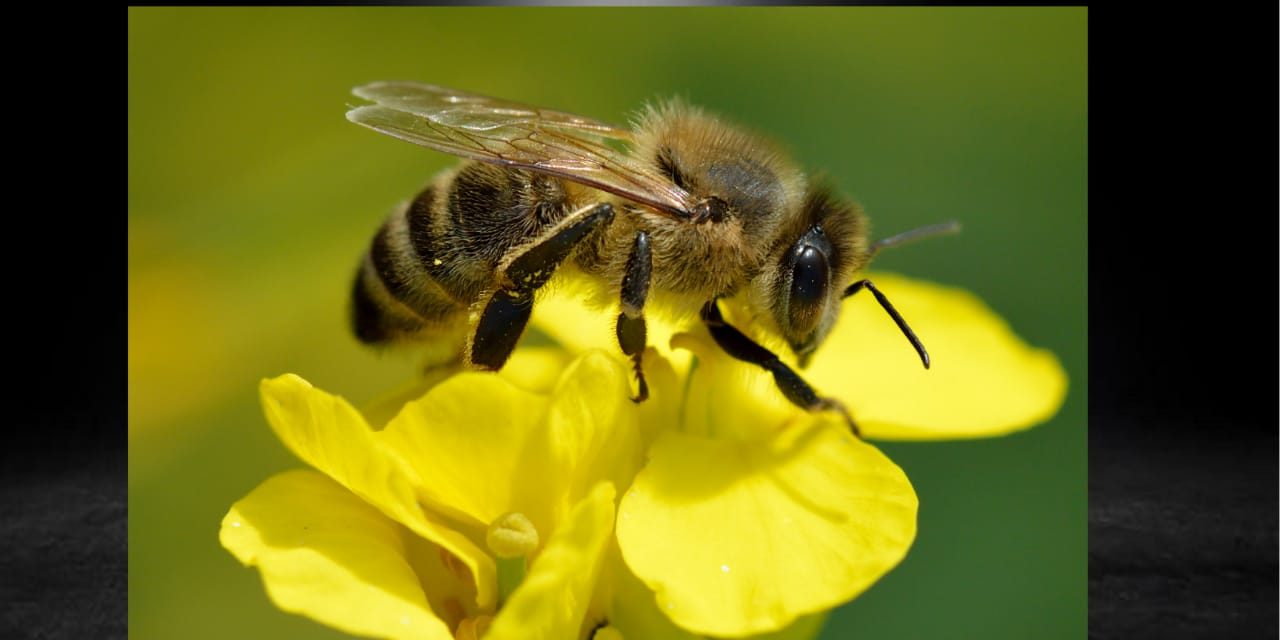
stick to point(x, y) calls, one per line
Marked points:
point(251, 199)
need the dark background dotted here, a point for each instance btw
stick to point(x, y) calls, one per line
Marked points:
point(1182, 327)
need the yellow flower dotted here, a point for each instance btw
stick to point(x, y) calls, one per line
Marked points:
point(806, 516)
point(983, 380)
point(736, 514)
point(402, 535)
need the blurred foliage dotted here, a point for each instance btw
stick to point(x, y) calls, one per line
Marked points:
point(251, 199)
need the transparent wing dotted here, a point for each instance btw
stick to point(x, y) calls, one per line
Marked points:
point(503, 132)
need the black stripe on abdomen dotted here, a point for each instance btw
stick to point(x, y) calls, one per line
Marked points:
point(384, 264)
point(418, 219)
point(374, 323)
point(402, 257)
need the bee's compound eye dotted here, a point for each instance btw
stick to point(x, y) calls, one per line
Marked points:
point(810, 283)
point(810, 275)
point(803, 297)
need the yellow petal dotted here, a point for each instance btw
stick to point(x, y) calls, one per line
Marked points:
point(577, 312)
point(536, 369)
point(591, 433)
point(805, 628)
point(737, 537)
point(635, 614)
point(666, 395)
point(382, 409)
point(326, 554)
point(727, 397)
point(329, 434)
point(483, 447)
point(983, 381)
point(573, 314)
point(465, 442)
point(552, 601)
point(531, 368)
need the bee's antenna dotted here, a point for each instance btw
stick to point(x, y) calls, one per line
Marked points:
point(906, 237)
point(893, 313)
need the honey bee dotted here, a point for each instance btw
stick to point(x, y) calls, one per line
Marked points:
point(683, 205)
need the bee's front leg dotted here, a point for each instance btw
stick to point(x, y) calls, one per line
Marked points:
point(738, 345)
point(631, 331)
point(523, 271)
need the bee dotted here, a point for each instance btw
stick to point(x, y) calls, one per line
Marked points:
point(683, 205)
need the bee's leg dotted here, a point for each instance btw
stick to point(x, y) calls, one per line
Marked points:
point(632, 336)
point(737, 344)
point(524, 271)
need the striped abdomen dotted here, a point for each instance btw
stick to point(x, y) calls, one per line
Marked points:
point(435, 256)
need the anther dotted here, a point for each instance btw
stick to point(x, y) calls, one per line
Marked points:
point(511, 536)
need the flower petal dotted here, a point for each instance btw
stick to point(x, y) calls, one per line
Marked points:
point(983, 380)
point(737, 537)
point(727, 397)
point(591, 433)
point(465, 442)
point(486, 448)
point(552, 601)
point(576, 312)
point(571, 312)
point(382, 409)
point(666, 396)
point(635, 614)
point(804, 628)
point(329, 434)
point(326, 554)
point(536, 368)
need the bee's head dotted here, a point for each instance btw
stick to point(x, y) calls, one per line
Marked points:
point(803, 280)
point(800, 244)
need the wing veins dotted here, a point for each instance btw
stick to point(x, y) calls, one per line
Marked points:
point(625, 174)
point(488, 129)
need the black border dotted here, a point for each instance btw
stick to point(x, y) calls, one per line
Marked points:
point(1183, 274)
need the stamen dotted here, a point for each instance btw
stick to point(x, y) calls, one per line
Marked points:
point(512, 536)
point(513, 539)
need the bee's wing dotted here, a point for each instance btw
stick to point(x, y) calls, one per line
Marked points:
point(494, 130)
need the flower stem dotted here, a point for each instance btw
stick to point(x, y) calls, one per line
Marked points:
point(510, 574)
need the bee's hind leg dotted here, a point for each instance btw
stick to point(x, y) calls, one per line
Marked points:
point(524, 271)
point(631, 330)
point(738, 345)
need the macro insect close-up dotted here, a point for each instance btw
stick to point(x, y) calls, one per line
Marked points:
point(445, 324)
point(693, 209)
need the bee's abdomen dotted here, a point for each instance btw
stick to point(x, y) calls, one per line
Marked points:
point(375, 317)
point(394, 295)
point(435, 256)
